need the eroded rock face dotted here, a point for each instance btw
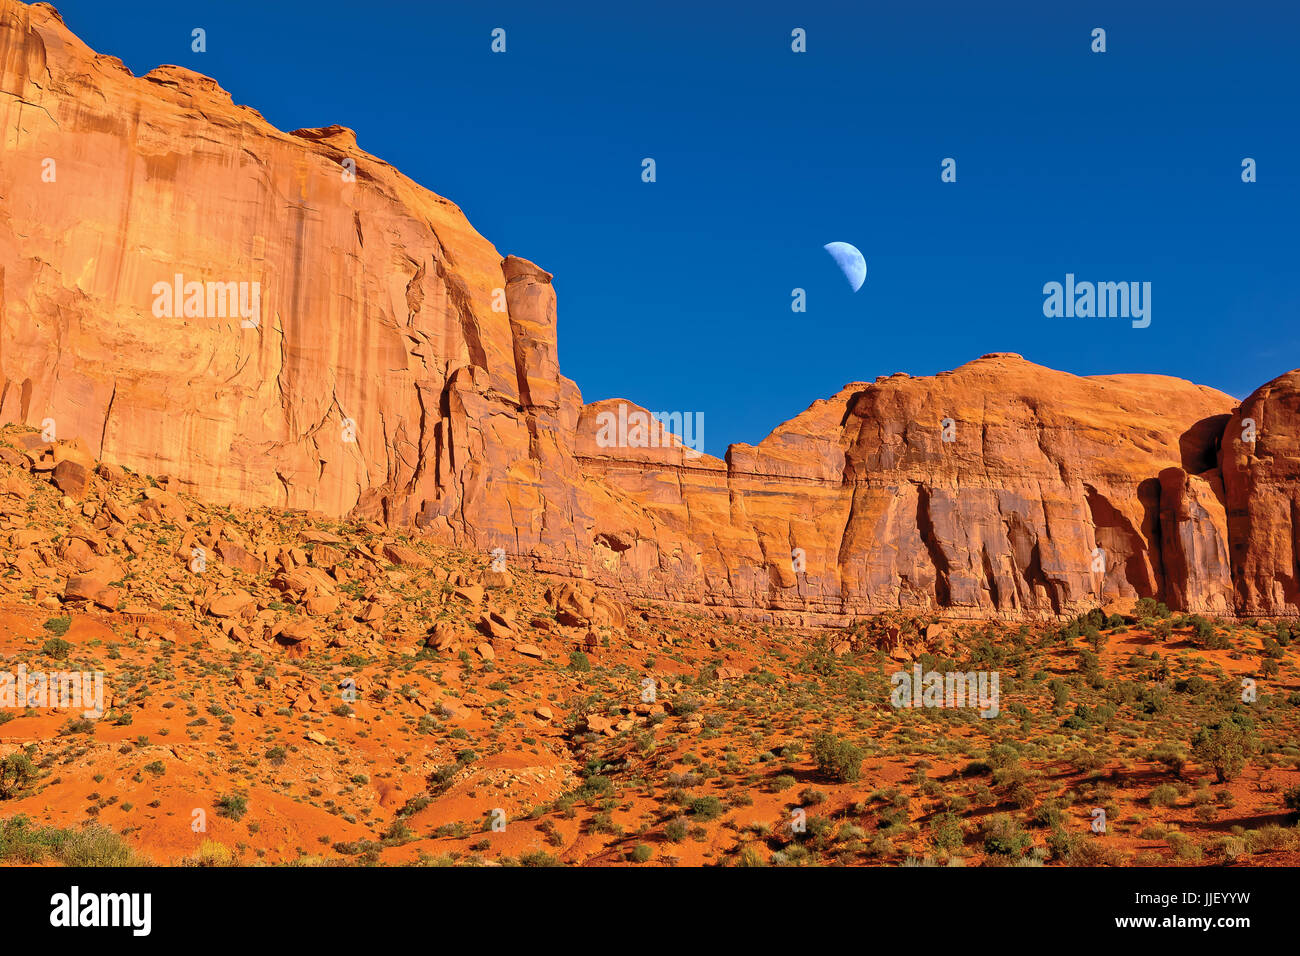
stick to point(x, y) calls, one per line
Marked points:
point(341, 340)
point(1260, 460)
point(1194, 542)
point(394, 363)
point(1001, 488)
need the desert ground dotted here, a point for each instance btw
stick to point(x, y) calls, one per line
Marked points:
point(281, 688)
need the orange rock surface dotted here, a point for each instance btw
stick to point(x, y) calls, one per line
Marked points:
point(1046, 498)
point(377, 372)
point(1261, 478)
point(386, 362)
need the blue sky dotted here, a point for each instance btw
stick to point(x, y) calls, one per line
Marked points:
point(1122, 166)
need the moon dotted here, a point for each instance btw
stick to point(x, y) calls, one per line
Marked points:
point(850, 262)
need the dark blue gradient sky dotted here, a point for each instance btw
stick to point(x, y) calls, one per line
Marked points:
point(1123, 166)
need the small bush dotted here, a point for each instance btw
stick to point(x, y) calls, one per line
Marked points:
point(1002, 835)
point(1226, 746)
point(837, 759)
point(58, 626)
point(232, 805)
point(1165, 795)
point(1149, 607)
point(16, 773)
point(538, 858)
point(93, 845)
point(211, 853)
point(57, 648)
point(947, 832)
point(705, 808)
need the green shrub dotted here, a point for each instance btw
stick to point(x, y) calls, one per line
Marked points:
point(705, 808)
point(1048, 815)
point(595, 786)
point(1002, 835)
point(538, 858)
point(77, 725)
point(750, 857)
point(1183, 847)
point(947, 832)
point(232, 805)
point(16, 773)
point(837, 759)
point(93, 845)
point(58, 626)
point(1226, 746)
point(1165, 795)
point(1149, 607)
point(57, 648)
point(96, 845)
point(1060, 693)
point(1291, 799)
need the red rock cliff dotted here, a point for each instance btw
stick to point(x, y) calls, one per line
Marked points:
point(396, 364)
point(1260, 460)
point(1000, 488)
point(341, 339)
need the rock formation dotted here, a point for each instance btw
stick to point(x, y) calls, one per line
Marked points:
point(395, 364)
point(282, 319)
point(1260, 461)
point(999, 489)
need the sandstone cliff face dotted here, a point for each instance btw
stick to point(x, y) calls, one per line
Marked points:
point(1001, 488)
point(395, 362)
point(1260, 461)
point(1194, 542)
point(341, 339)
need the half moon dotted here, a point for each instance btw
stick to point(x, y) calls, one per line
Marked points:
point(850, 261)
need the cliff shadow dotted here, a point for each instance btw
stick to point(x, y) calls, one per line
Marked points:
point(1198, 447)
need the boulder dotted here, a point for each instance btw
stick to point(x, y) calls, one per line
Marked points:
point(239, 558)
point(94, 588)
point(443, 638)
point(497, 579)
point(404, 556)
point(230, 605)
point(72, 478)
